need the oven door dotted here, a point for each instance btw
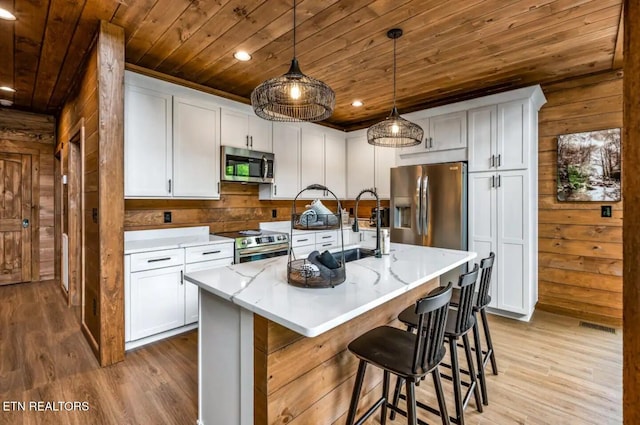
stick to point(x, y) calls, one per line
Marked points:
point(261, 252)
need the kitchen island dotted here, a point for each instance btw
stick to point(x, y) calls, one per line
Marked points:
point(272, 353)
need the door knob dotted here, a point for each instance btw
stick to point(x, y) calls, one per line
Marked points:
point(25, 223)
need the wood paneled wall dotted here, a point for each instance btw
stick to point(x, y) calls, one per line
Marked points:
point(580, 253)
point(317, 390)
point(631, 192)
point(35, 134)
point(238, 209)
point(99, 100)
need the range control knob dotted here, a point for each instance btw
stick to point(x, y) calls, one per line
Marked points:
point(281, 237)
point(243, 242)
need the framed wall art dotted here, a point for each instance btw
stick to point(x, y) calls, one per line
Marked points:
point(589, 166)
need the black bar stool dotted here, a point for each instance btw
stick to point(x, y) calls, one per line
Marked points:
point(407, 355)
point(459, 324)
point(482, 300)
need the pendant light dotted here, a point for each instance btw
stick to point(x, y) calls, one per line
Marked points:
point(395, 131)
point(293, 96)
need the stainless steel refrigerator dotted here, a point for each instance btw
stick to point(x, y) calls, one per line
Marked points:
point(429, 207)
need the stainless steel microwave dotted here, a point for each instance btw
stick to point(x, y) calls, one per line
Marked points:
point(246, 166)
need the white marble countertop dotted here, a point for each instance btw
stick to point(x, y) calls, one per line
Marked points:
point(132, 247)
point(261, 286)
point(179, 237)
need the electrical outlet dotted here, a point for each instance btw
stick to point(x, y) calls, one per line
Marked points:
point(94, 215)
point(605, 211)
point(167, 216)
point(274, 213)
point(350, 211)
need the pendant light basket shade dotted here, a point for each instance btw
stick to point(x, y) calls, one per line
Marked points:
point(395, 131)
point(293, 97)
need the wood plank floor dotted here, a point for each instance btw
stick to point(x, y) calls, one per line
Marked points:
point(552, 371)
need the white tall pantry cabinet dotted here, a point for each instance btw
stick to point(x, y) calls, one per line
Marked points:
point(503, 196)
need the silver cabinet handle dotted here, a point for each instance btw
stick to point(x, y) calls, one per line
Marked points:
point(326, 237)
point(499, 160)
point(169, 185)
point(499, 181)
point(156, 260)
point(251, 137)
point(275, 189)
point(301, 240)
point(181, 277)
point(493, 181)
point(247, 142)
point(218, 188)
point(326, 244)
point(211, 252)
point(493, 160)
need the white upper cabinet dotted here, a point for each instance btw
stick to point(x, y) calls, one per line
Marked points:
point(171, 145)
point(312, 160)
point(244, 130)
point(335, 163)
point(513, 135)
point(360, 165)
point(441, 133)
point(499, 136)
point(385, 159)
point(286, 150)
point(448, 131)
point(369, 167)
point(196, 150)
point(482, 138)
point(147, 143)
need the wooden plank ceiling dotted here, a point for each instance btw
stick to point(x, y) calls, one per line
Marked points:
point(450, 50)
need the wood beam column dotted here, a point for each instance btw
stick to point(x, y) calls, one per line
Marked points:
point(631, 227)
point(111, 191)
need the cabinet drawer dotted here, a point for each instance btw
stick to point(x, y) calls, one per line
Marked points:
point(326, 240)
point(157, 259)
point(304, 239)
point(195, 254)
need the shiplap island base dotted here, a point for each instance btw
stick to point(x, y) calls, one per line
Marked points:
point(273, 353)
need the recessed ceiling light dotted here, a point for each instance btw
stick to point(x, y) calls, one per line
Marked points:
point(357, 103)
point(5, 14)
point(9, 89)
point(241, 55)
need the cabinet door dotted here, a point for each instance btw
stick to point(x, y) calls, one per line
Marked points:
point(448, 131)
point(312, 160)
point(368, 239)
point(423, 146)
point(157, 301)
point(234, 128)
point(513, 135)
point(260, 134)
point(147, 143)
point(513, 222)
point(360, 160)
point(385, 159)
point(483, 232)
point(286, 149)
point(196, 150)
point(335, 164)
point(191, 290)
point(482, 138)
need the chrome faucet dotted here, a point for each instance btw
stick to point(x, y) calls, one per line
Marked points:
point(355, 228)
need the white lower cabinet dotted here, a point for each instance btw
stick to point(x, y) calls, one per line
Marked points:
point(157, 301)
point(157, 297)
point(500, 221)
point(305, 243)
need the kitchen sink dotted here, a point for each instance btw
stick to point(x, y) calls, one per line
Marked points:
point(354, 254)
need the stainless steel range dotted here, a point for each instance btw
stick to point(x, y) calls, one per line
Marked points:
point(254, 245)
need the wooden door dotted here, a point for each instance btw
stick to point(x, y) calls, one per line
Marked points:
point(15, 206)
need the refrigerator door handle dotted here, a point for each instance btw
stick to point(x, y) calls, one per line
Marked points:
point(419, 205)
point(425, 205)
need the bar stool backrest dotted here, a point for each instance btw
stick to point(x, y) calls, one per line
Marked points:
point(432, 318)
point(467, 285)
point(486, 265)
